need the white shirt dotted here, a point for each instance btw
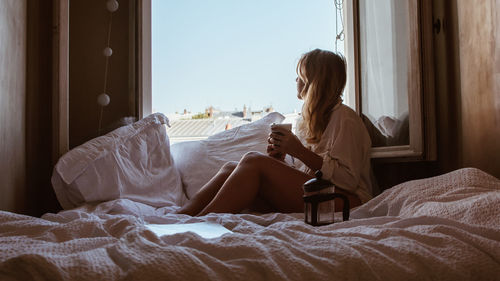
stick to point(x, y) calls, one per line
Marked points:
point(345, 147)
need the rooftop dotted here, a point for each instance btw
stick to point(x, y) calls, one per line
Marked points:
point(202, 128)
point(184, 128)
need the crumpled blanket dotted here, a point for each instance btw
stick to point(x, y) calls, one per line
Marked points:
point(440, 228)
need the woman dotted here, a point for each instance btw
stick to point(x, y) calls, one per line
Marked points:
point(331, 137)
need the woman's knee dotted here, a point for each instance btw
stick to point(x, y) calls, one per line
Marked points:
point(228, 167)
point(253, 158)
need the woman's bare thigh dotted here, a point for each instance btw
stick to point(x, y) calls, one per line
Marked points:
point(281, 185)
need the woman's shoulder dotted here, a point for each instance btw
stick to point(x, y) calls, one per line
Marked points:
point(350, 119)
point(345, 118)
point(346, 109)
point(343, 112)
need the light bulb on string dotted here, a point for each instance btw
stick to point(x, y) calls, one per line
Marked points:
point(103, 99)
point(107, 52)
point(112, 5)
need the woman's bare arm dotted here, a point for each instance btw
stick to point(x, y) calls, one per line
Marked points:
point(285, 141)
point(311, 159)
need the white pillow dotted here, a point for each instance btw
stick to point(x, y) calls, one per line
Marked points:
point(199, 161)
point(131, 162)
point(468, 195)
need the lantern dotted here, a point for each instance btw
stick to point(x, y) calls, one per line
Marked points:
point(319, 201)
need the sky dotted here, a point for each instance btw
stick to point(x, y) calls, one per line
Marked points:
point(230, 53)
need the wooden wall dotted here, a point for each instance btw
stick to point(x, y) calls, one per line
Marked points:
point(13, 105)
point(479, 53)
point(447, 73)
point(39, 156)
point(26, 72)
point(88, 28)
point(25, 107)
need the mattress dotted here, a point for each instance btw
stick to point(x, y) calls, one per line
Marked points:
point(440, 228)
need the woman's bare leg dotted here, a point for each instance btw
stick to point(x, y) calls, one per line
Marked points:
point(258, 175)
point(208, 191)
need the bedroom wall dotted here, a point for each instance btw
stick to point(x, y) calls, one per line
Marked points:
point(41, 197)
point(26, 72)
point(25, 107)
point(479, 53)
point(447, 77)
point(12, 105)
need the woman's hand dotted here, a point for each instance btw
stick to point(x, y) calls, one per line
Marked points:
point(273, 152)
point(283, 141)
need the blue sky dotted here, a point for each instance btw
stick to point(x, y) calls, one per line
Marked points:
point(230, 53)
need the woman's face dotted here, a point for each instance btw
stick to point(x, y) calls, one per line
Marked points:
point(300, 87)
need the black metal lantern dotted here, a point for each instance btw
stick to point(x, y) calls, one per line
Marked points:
point(319, 201)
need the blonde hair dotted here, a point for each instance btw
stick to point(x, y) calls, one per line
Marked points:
point(324, 76)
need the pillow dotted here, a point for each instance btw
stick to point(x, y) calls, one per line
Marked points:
point(468, 195)
point(198, 161)
point(131, 162)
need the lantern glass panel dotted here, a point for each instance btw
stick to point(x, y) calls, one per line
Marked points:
point(326, 212)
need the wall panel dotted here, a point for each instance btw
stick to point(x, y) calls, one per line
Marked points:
point(479, 33)
point(39, 75)
point(12, 105)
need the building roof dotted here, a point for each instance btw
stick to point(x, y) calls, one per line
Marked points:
point(202, 128)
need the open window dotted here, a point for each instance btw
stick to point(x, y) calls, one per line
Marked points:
point(388, 45)
point(390, 70)
point(222, 64)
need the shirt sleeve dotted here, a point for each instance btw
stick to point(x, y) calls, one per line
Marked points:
point(344, 155)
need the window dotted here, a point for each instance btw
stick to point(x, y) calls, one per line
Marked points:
point(220, 64)
point(388, 45)
point(389, 49)
point(406, 84)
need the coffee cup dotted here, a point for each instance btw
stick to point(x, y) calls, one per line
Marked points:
point(286, 126)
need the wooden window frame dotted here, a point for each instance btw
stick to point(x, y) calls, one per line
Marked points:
point(144, 66)
point(421, 99)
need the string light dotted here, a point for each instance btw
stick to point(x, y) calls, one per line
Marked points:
point(339, 36)
point(112, 5)
point(104, 99)
point(107, 52)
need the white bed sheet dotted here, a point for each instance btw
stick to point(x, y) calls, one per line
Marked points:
point(441, 228)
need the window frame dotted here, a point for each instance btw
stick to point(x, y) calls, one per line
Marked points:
point(422, 139)
point(144, 53)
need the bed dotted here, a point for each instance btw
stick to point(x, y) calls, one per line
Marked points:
point(440, 228)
